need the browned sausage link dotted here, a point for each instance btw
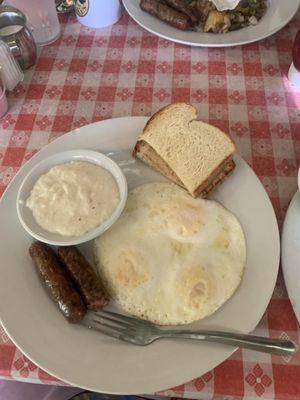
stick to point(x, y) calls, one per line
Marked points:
point(184, 7)
point(85, 278)
point(57, 281)
point(166, 14)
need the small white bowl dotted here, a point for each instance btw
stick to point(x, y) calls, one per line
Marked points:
point(26, 217)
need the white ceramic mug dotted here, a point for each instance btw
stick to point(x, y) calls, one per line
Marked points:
point(98, 13)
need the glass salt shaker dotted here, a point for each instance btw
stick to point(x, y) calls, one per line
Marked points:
point(3, 100)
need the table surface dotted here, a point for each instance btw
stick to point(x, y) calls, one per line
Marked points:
point(90, 75)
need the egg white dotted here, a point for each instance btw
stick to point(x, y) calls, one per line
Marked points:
point(171, 259)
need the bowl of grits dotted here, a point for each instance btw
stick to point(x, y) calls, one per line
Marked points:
point(71, 197)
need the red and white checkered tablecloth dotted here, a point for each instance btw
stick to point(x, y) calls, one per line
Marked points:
point(89, 75)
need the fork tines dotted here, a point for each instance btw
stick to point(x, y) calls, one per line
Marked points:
point(115, 325)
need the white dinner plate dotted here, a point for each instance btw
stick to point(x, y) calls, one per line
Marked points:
point(279, 13)
point(88, 359)
point(290, 253)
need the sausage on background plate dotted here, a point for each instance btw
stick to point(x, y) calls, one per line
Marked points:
point(167, 14)
point(184, 7)
point(57, 281)
point(85, 278)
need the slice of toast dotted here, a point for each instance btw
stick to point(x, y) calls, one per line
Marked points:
point(191, 153)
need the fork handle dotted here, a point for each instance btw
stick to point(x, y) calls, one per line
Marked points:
point(258, 343)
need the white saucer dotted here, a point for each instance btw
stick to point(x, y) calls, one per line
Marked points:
point(290, 253)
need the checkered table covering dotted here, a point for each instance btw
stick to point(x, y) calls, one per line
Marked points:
point(89, 75)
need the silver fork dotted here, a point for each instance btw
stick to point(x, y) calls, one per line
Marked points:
point(142, 333)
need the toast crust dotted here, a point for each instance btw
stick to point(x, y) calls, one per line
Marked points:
point(149, 156)
point(203, 191)
point(163, 110)
point(170, 107)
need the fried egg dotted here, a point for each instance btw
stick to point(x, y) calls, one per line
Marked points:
point(170, 258)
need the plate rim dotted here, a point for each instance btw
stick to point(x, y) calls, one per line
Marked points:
point(285, 246)
point(126, 4)
point(133, 392)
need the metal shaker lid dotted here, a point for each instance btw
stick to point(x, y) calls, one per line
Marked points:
point(10, 16)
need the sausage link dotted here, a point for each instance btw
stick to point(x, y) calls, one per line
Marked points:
point(85, 278)
point(166, 14)
point(57, 281)
point(183, 7)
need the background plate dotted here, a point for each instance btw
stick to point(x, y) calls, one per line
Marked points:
point(90, 360)
point(291, 252)
point(279, 13)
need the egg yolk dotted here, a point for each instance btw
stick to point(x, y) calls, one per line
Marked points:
point(132, 270)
